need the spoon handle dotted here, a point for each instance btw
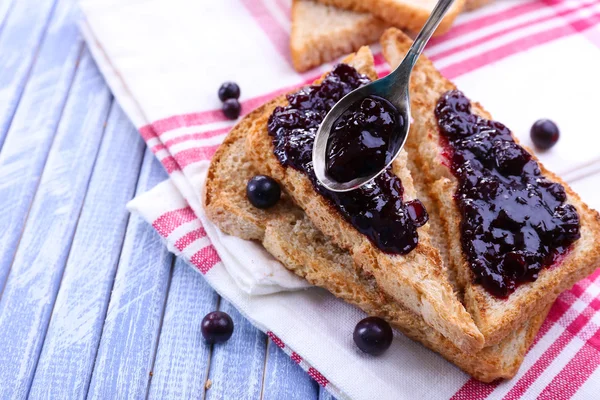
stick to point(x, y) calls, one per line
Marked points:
point(436, 16)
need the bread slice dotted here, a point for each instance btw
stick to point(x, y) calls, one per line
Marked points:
point(406, 14)
point(322, 33)
point(471, 5)
point(496, 318)
point(290, 236)
point(417, 280)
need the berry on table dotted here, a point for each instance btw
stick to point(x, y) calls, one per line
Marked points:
point(217, 327)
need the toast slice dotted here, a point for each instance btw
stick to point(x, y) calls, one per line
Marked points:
point(417, 280)
point(495, 317)
point(290, 236)
point(406, 14)
point(322, 33)
point(471, 5)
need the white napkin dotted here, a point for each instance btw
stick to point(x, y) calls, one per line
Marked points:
point(252, 268)
point(164, 61)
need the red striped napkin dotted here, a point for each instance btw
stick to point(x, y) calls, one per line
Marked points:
point(524, 60)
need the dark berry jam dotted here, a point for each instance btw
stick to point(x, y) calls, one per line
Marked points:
point(360, 139)
point(376, 209)
point(514, 221)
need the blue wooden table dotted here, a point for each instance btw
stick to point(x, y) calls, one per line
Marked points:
point(92, 305)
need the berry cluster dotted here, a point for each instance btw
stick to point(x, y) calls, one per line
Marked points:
point(229, 93)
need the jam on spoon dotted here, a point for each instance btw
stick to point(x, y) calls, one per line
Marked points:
point(359, 142)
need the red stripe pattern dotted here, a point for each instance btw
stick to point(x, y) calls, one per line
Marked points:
point(271, 27)
point(295, 357)
point(564, 304)
point(576, 372)
point(189, 238)
point(172, 220)
point(316, 375)
point(205, 259)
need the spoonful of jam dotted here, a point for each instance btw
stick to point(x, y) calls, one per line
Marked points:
point(364, 132)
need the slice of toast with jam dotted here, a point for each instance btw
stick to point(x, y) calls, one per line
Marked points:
point(517, 235)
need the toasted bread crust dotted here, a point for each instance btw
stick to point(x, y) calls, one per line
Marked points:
point(495, 318)
point(417, 280)
point(290, 236)
point(406, 15)
point(322, 33)
point(471, 5)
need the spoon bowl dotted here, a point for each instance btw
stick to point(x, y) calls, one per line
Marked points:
point(385, 88)
point(393, 88)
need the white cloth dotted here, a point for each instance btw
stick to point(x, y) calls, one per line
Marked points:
point(164, 61)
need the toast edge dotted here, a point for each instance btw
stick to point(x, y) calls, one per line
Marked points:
point(312, 52)
point(400, 15)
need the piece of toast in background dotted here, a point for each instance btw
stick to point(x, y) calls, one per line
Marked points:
point(471, 5)
point(409, 15)
point(322, 33)
point(290, 236)
point(495, 317)
point(417, 279)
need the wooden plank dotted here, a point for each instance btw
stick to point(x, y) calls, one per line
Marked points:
point(325, 395)
point(23, 31)
point(67, 358)
point(182, 356)
point(237, 366)
point(36, 273)
point(5, 7)
point(284, 379)
point(133, 320)
point(34, 127)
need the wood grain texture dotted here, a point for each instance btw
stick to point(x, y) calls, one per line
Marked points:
point(5, 7)
point(37, 270)
point(133, 320)
point(284, 379)
point(325, 395)
point(182, 357)
point(22, 34)
point(33, 128)
point(236, 367)
point(67, 359)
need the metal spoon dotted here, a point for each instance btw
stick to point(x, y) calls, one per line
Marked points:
point(394, 88)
